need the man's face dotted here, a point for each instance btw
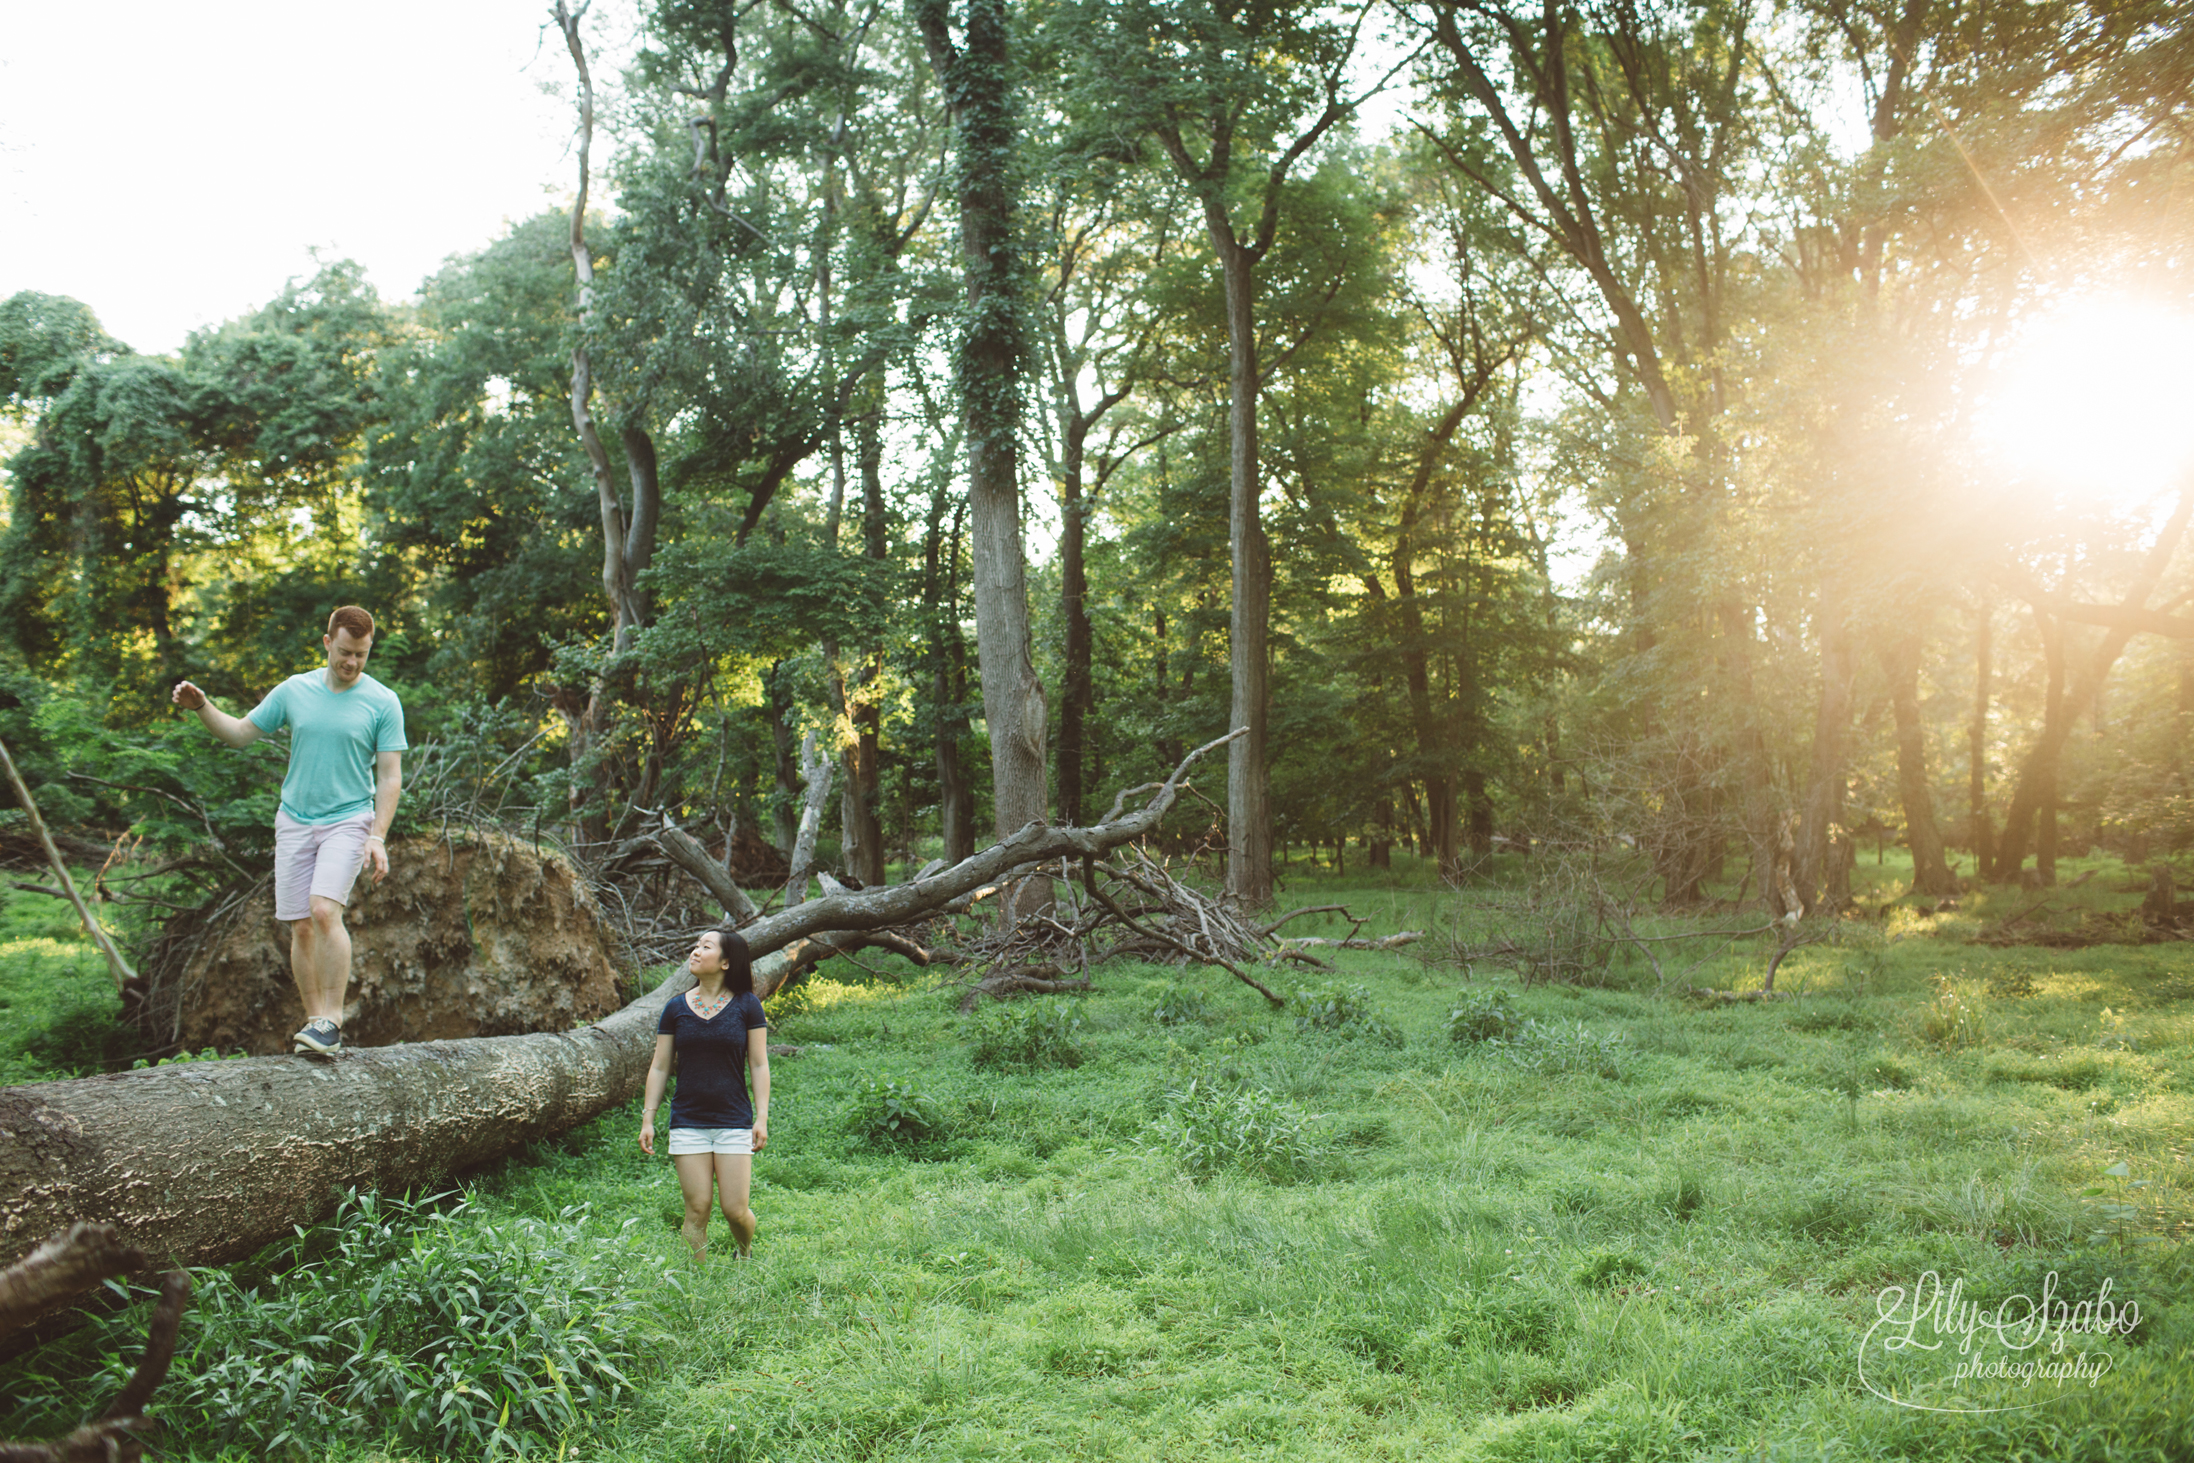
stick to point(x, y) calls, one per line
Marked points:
point(347, 654)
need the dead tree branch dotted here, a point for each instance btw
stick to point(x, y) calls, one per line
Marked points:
point(56, 1274)
point(116, 965)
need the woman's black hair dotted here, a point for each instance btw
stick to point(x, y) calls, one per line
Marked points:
point(738, 962)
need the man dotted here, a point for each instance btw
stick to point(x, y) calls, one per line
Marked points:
point(345, 775)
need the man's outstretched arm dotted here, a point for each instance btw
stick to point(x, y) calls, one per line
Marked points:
point(234, 730)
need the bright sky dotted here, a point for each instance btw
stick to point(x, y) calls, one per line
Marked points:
point(171, 165)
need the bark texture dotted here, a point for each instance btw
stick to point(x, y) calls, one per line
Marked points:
point(1249, 651)
point(816, 767)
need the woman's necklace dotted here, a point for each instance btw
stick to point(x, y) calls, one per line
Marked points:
point(705, 1008)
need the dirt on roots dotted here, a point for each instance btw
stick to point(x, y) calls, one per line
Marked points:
point(473, 934)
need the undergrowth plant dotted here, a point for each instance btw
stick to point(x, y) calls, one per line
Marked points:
point(1024, 1035)
point(1481, 1250)
point(2117, 1213)
point(1346, 1010)
point(1560, 1046)
point(1482, 1014)
point(889, 1113)
point(1180, 1005)
point(465, 1340)
point(1207, 1128)
point(1957, 1017)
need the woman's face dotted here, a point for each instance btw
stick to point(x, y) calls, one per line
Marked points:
point(708, 955)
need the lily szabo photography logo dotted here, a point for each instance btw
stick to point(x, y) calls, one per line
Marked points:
point(1935, 1342)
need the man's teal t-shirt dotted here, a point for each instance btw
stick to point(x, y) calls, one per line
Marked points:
point(333, 737)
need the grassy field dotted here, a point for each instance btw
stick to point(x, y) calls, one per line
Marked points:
point(1164, 1221)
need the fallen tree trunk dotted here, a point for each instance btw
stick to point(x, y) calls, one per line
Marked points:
point(198, 1163)
point(203, 1162)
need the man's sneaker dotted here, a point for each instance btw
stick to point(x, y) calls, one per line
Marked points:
point(322, 1036)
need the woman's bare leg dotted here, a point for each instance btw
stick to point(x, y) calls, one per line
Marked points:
point(696, 1176)
point(734, 1174)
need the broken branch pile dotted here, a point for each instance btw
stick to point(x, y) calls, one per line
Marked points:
point(1133, 908)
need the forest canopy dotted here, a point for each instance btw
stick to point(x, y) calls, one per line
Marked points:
point(1745, 430)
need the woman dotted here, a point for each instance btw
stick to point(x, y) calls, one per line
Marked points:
point(717, 1034)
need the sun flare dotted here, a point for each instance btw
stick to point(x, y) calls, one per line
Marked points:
point(2097, 395)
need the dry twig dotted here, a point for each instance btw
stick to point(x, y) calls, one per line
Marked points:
point(54, 1275)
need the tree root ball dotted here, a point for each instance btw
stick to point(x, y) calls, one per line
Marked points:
point(472, 934)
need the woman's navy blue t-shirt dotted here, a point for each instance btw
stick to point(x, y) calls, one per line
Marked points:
point(712, 1062)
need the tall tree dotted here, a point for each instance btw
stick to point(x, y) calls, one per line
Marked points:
point(976, 71)
point(1618, 135)
point(628, 533)
point(1476, 331)
point(1106, 240)
point(1235, 96)
point(146, 472)
point(2078, 664)
point(472, 473)
point(1901, 664)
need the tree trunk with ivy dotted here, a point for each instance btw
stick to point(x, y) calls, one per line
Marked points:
point(974, 73)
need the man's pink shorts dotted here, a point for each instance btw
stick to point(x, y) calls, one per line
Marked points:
point(316, 858)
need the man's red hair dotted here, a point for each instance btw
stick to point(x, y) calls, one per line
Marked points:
point(353, 619)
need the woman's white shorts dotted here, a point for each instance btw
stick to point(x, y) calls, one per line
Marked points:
point(711, 1140)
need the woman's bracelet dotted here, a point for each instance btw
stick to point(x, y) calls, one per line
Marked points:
point(377, 838)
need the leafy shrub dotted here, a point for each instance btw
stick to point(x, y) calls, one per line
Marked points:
point(888, 1113)
point(1482, 1015)
point(1208, 1128)
point(1551, 1047)
point(1180, 1005)
point(1345, 1009)
point(1027, 1034)
point(441, 1334)
point(1957, 1017)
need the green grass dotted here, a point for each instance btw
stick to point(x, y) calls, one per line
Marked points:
point(1463, 1255)
point(58, 1014)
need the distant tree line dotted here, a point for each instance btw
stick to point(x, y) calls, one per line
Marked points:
point(1015, 397)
